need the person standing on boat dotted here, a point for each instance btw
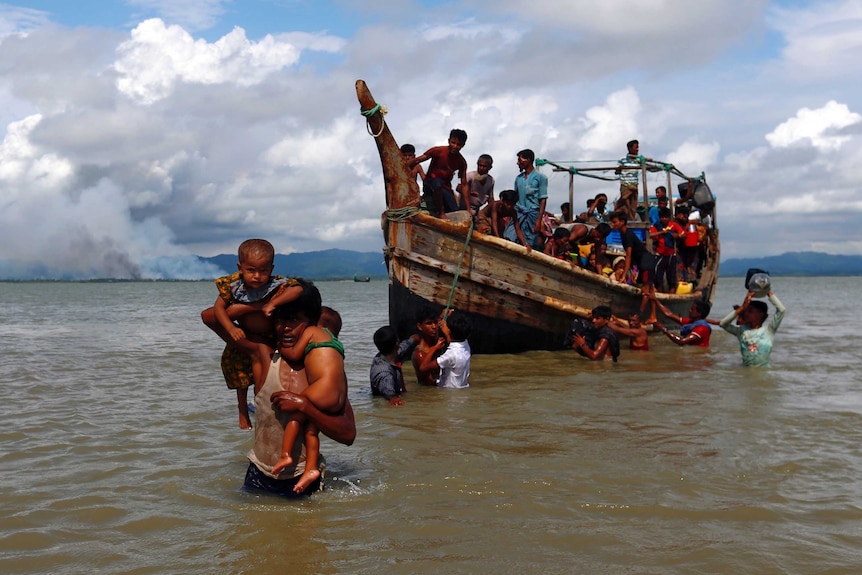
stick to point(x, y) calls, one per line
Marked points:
point(629, 172)
point(437, 191)
point(637, 254)
point(480, 186)
point(532, 188)
point(755, 339)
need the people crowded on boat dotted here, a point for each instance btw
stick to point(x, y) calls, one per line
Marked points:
point(438, 197)
point(480, 186)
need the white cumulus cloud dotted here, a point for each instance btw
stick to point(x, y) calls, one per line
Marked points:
point(820, 127)
point(157, 56)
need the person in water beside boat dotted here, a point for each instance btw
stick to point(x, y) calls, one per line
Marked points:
point(312, 389)
point(454, 363)
point(437, 193)
point(408, 153)
point(696, 328)
point(480, 186)
point(637, 254)
point(600, 342)
point(387, 378)
point(633, 329)
point(532, 188)
point(755, 339)
point(243, 310)
point(428, 326)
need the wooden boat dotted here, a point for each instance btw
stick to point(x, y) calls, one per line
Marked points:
point(518, 301)
point(357, 278)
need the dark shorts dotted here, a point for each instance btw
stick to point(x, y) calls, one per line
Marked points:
point(448, 196)
point(256, 480)
point(647, 266)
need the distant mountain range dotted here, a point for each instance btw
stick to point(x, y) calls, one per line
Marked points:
point(337, 264)
point(343, 264)
point(323, 265)
point(796, 264)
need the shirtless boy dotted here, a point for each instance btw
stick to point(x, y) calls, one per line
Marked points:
point(428, 325)
point(445, 161)
point(633, 329)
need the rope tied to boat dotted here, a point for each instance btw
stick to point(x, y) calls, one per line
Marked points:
point(368, 113)
point(458, 270)
point(401, 214)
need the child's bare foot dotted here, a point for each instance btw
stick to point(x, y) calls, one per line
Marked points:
point(651, 320)
point(281, 464)
point(244, 420)
point(307, 478)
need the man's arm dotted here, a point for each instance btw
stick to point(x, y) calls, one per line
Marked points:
point(779, 311)
point(580, 343)
point(691, 339)
point(405, 348)
point(341, 428)
point(665, 311)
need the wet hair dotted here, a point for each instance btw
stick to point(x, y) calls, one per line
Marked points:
point(618, 215)
point(460, 326)
point(631, 144)
point(635, 312)
point(703, 307)
point(561, 233)
point(386, 338)
point(604, 229)
point(308, 304)
point(600, 195)
point(510, 196)
point(256, 248)
point(602, 311)
point(486, 158)
point(427, 311)
point(759, 306)
point(330, 319)
point(408, 149)
point(527, 154)
point(459, 135)
point(664, 212)
point(662, 188)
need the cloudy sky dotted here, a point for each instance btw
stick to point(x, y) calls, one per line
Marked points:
point(138, 131)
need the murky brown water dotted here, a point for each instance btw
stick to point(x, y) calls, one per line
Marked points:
point(120, 452)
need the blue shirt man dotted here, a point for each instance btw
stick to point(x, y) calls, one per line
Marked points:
point(532, 188)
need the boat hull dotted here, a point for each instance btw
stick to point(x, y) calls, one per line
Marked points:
point(517, 301)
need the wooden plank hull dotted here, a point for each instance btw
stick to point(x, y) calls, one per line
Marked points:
point(518, 301)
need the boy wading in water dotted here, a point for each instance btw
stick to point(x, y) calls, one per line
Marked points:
point(247, 297)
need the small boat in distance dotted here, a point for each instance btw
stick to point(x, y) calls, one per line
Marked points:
point(517, 301)
point(361, 278)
